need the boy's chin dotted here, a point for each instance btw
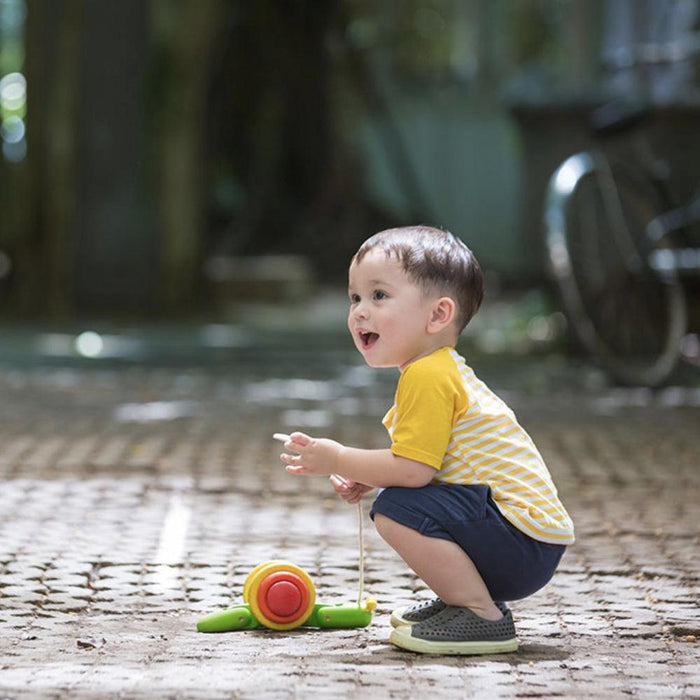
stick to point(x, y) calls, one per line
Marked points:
point(378, 364)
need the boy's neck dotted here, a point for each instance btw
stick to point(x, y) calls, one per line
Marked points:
point(438, 342)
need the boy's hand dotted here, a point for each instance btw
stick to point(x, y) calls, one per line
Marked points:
point(350, 491)
point(315, 456)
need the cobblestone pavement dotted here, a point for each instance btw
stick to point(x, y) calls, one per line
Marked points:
point(136, 498)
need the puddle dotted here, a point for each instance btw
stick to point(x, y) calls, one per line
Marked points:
point(155, 411)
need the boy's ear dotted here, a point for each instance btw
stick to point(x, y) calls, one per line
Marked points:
point(442, 315)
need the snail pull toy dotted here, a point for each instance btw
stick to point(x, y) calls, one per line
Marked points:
point(280, 595)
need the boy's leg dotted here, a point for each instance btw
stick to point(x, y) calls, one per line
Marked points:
point(443, 565)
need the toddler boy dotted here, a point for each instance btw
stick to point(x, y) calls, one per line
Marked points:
point(466, 499)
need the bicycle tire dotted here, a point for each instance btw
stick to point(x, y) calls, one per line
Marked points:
point(629, 317)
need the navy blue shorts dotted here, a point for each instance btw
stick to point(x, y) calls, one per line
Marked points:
point(512, 564)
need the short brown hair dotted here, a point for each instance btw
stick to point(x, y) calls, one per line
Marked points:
point(436, 260)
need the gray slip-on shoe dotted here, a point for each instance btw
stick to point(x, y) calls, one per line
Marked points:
point(424, 610)
point(457, 631)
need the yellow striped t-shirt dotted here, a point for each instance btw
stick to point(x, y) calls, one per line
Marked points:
point(445, 417)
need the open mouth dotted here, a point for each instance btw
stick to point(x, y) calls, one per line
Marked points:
point(368, 339)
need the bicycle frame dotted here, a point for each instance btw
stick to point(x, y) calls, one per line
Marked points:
point(684, 260)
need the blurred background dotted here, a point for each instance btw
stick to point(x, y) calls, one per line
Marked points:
point(173, 159)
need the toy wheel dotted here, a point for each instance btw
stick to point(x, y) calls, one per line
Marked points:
point(281, 595)
point(254, 573)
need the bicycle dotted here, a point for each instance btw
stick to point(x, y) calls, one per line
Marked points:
point(620, 250)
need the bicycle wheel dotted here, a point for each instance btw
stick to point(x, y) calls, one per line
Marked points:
point(630, 317)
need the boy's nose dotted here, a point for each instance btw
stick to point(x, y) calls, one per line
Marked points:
point(360, 311)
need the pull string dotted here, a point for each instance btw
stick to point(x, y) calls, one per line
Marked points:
point(283, 437)
point(361, 543)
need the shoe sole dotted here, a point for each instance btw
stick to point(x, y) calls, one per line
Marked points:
point(404, 640)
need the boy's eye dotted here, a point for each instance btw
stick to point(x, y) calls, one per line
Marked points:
point(379, 295)
point(354, 298)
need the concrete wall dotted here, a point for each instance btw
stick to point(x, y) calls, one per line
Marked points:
point(467, 166)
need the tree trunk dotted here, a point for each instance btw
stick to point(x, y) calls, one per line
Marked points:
point(190, 36)
point(60, 175)
point(44, 184)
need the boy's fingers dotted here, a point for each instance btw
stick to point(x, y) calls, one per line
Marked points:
point(293, 440)
point(338, 483)
point(300, 438)
point(291, 469)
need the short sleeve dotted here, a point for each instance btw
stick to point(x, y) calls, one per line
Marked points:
point(424, 414)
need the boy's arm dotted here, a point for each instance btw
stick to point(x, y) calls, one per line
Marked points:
point(378, 468)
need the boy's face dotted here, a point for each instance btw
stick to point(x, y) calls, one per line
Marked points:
point(389, 313)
